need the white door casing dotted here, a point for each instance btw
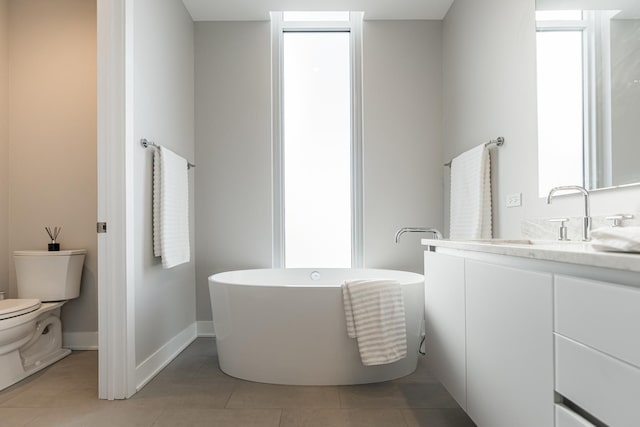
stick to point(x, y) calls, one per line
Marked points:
point(116, 368)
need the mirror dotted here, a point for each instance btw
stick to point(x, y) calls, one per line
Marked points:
point(588, 68)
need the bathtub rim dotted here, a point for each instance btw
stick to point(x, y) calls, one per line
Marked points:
point(225, 277)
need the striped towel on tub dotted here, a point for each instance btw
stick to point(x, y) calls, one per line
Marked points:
point(374, 311)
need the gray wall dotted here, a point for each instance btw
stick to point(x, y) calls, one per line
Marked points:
point(52, 138)
point(490, 91)
point(163, 112)
point(4, 145)
point(233, 148)
point(402, 67)
point(402, 151)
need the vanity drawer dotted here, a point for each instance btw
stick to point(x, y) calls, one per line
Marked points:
point(602, 315)
point(601, 385)
point(567, 418)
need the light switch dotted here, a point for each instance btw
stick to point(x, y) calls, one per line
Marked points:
point(514, 200)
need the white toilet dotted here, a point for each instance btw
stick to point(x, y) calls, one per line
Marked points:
point(30, 328)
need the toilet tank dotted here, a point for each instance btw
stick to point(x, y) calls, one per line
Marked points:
point(49, 276)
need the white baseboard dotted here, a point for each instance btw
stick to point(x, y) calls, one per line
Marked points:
point(80, 340)
point(205, 328)
point(148, 369)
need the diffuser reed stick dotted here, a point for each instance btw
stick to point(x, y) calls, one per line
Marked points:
point(53, 234)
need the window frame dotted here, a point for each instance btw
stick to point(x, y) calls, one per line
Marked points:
point(278, 28)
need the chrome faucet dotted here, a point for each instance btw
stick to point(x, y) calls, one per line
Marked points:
point(436, 232)
point(586, 219)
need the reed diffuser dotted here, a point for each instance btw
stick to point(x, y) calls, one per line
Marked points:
point(53, 246)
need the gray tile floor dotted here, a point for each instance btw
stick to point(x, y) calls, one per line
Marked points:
point(192, 391)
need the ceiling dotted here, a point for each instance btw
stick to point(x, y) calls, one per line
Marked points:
point(258, 10)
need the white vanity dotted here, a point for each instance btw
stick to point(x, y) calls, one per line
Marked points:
point(526, 333)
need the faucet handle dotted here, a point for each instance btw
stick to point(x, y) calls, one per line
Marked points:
point(562, 232)
point(616, 220)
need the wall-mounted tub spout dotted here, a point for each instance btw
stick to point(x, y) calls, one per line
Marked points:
point(436, 232)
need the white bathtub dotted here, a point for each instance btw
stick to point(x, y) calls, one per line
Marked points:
point(287, 326)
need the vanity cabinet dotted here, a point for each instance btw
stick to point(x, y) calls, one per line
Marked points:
point(489, 339)
point(509, 315)
point(525, 342)
point(597, 340)
point(445, 322)
point(565, 417)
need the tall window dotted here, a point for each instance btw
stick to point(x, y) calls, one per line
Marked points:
point(317, 154)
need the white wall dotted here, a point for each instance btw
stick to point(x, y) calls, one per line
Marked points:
point(4, 145)
point(233, 148)
point(163, 112)
point(402, 77)
point(490, 91)
point(52, 138)
point(402, 67)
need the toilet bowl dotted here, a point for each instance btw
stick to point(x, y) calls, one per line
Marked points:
point(30, 327)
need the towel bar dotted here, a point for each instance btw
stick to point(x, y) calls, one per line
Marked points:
point(498, 141)
point(146, 144)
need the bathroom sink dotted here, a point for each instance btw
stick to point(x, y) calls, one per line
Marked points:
point(503, 241)
point(569, 245)
point(526, 242)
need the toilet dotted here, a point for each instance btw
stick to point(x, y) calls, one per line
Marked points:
point(30, 328)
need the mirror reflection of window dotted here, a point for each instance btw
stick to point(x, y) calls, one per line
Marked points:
point(558, 15)
point(560, 104)
point(560, 100)
point(588, 104)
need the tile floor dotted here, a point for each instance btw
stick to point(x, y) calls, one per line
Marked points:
point(192, 391)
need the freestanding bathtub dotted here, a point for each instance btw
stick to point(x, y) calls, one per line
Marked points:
point(287, 326)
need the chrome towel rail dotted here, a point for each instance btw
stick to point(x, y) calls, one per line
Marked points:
point(499, 141)
point(146, 144)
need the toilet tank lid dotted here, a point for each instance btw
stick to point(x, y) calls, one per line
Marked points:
point(16, 307)
point(51, 253)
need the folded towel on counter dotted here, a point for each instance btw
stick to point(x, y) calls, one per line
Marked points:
point(170, 208)
point(471, 195)
point(616, 239)
point(374, 312)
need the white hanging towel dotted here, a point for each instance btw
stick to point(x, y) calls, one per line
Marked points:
point(170, 208)
point(374, 311)
point(471, 195)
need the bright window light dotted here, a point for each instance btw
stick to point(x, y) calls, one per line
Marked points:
point(315, 16)
point(558, 15)
point(560, 109)
point(317, 149)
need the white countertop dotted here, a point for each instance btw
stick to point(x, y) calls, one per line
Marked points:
point(569, 252)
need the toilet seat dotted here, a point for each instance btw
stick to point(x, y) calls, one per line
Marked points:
point(16, 307)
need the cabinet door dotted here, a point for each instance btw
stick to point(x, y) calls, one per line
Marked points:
point(509, 346)
point(445, 321)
